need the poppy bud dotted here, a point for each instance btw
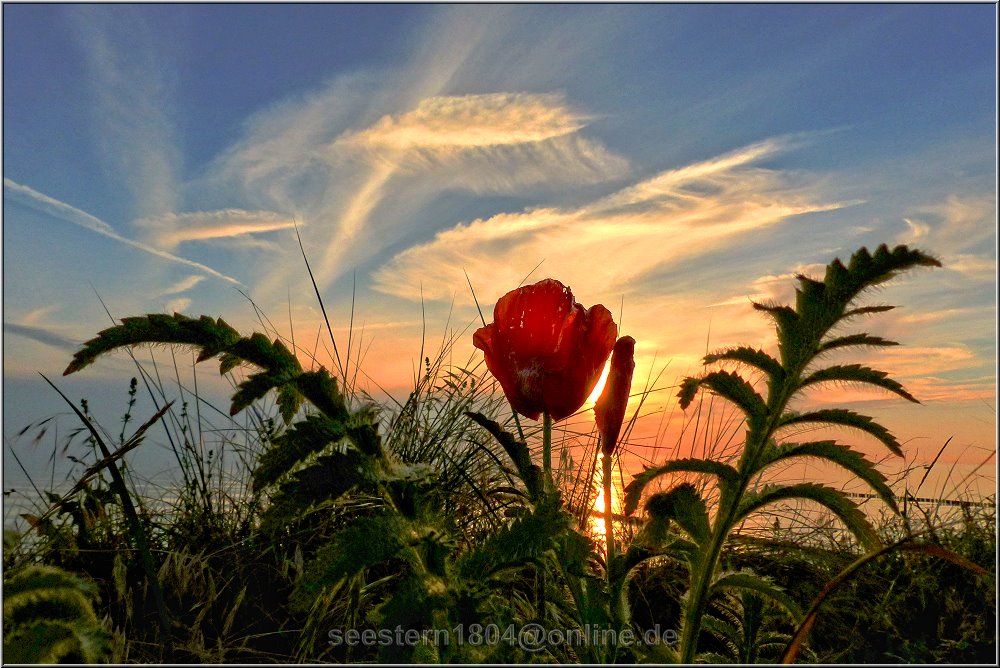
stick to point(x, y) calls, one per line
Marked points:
point(609, 410)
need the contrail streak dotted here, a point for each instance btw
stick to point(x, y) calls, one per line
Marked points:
point(41, 202)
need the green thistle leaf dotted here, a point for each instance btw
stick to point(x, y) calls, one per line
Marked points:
point(684, 505)
point(840, 505)
point(530, 473)
point(845, 418)
point(751, 357)
point(856, 373)
point(633, 492)
point(855, 340)
point(308, 436)
point(839, 454)
point(747, 581)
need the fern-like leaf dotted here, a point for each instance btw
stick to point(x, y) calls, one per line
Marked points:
point(865, 270)
point(784, 316)
point(751, 357)
point(228, 362)
point(322, 391)
point(684, 505)
point(329, 478)
point(857, 373)
point(517, 450)
point(840, 505)
point(730, 386)
point(845, 418)
point(261, 351)
point(48, 618)
point(866, 310)
point(367, 542)
point(302, 439)
point(212, 336)
point(688, 391)
point(280, 368)
point(855, 340)
point(633, 492)
point(524, 540)
point(839, 454)
point(255, 387)
point(747, 581)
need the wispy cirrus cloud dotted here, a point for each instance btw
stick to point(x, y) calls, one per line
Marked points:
point(182, 285)
point(483, 143)
point(173, 229)
point(471, 121)
point(494, 142)
point(674, 215)
point(358, 159)
point(961, 230)
point(70, 214)
point(359, 189)
point(41, 335)
point(133, 93)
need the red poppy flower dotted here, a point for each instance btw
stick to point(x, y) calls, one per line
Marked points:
point(609, 411)
point(546, 350)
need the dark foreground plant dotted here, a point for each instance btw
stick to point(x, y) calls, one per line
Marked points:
point(367, 520)
point(49, 617)
point(805, 334)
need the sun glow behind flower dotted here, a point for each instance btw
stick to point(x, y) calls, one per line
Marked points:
point(592, 399)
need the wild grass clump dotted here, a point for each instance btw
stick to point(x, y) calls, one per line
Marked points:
point(306, 509)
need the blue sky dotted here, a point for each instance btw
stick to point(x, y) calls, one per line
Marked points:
point(671, 161)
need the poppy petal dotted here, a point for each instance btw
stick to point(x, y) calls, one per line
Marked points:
point(545, 350)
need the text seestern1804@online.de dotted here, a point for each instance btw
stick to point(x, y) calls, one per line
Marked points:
point(530, 637)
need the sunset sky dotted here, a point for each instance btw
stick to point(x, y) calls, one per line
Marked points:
point(672, 162)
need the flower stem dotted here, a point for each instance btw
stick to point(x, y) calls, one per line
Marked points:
point(608, 514)
point(547, 448)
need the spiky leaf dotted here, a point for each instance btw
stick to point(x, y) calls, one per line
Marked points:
point(689, 388)
point(684, 505)
point(302, 439)
point(524, 540)
point(633, 492)
point(845, 418)
point(367, 542)
point(281, 369)
point(751, 357)
point(212, 336)
point(228, 362)
point(729, 386)
point(867, 310)
point(840, 505)
point(273, 355)
point(255, 387)
point(857, 373)
point(517, 450)
point(329, 478)
point(865, 270)
point(48, 618)
point(412, 606)
point(784, 316)
point(837, 453)
point(288, 401)
point(322, 391)
point(748, 581)
point(855, 340)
